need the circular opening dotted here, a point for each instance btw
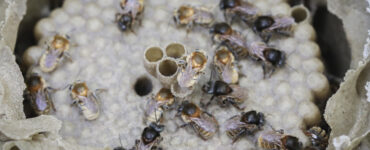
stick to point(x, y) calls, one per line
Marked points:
point(175, 50)
point(299, 14)
point(143, 86)
point(167, 67)
point(154, 54)
point(14, 148)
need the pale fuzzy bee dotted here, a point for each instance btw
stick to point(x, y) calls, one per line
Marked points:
point(318, 137)
point(224, 61)
point(39, 95)
point(203, 123)
point(190, 71)
point(272, 58)
point(266, 26)
point(245, 124)
point(57, 49)
point(277, 140)
point(131, 12)
point(189, 16)
point(223, 33)
point(150, 138)
point(156, 105)
point(238, 8)
point(87, 101)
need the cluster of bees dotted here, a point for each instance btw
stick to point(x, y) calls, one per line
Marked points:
point(222, 84)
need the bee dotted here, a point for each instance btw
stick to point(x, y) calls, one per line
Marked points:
point(277, 140)
point(228, 94)
point(245, 124)
point(224, 61)
point(272, 58)
point(189, 16)
point(318, 138)
point(238, 8)
point(266, 26)
point(163, 100)
point(86, 100)
point(223, 33)
point(150, 138)
point(39, 95)
point(203, 123)
point(57, 49)
point(192, 69)
point(131, 12)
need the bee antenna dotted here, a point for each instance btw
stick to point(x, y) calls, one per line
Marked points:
point(289, 66)
point(120, 140)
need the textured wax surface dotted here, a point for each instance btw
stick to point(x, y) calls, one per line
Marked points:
point(106, 58)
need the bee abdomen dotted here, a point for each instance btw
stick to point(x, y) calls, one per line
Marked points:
point(155, 116)
point(203, 133)
point(233, 134)
point(267, 145)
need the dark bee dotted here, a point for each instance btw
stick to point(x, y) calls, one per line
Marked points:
point(157, 104)
point(277, 140)
point(318, 138)
point(39, 95)
point(189, 16)
point(57, 48)
point(223, 34)
point(203, 123)
point(238, 8)
point(266, 26)
point(245, 124)
point(150, 138)
point(271, 57)
point(86, 100)
point(228, 94)
point(131, 12)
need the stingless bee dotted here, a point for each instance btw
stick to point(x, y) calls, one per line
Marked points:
point(56, 50)
point(150, 138)
point(203, 123)
point(238, 8)
point(39, 95)
point(318, 137)
point(272, 58)
point(266, 26)
point(87, 101)
point(277, 140)
point(189, 16)
point(163, 100)
point(192, 69)
point(223, 33)
point(245, 124)
point(131, 12)
point(225, 64)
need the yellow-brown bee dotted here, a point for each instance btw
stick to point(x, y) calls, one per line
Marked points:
point(245, 124)
point(39, 95)
point(225, 64)
point(266, 26)
point(189, 16)
point(223, 34)
point(272, 58)
point(203, 123)
point(87, 101)
point(277, 140)
point(57, 49)
point(190, 71)
point(157, 104)
point(318, 137)
point(150, 138)
point(131, 12)
point(238, 8)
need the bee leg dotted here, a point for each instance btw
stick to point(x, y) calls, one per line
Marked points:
point(209, 102)
point(266, 37)
point(238, 136)
point(47, 94)
point(268, 69)
point(68, 56)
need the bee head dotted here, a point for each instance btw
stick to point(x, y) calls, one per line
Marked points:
point(221, 28)
point(207, 88)
point(149, 135)
point(34, 82)
point(124, 22)
point(80, 89)
point(157, 127)
point(276, 57)
point(187, 108)
point(263, 22)
point(60, 43)
point(225, 4)
point(292, 143)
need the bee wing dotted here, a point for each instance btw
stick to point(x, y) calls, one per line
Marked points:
point(40, 100)
point(50, 59)
point(91, 103)
point(206, 122)
point(227, 73)
point(247, 9)
point(186, 78)
point(152, 105)
point(233, 123)
point(239, 92)
point(257, 48)
point(272, 137)
point(281, 22)
point(235, 38)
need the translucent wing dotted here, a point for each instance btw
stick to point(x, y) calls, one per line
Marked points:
point(257, 48)
point(206, 122)
point(233, 123)
point(282, 22)
point(239, 92)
